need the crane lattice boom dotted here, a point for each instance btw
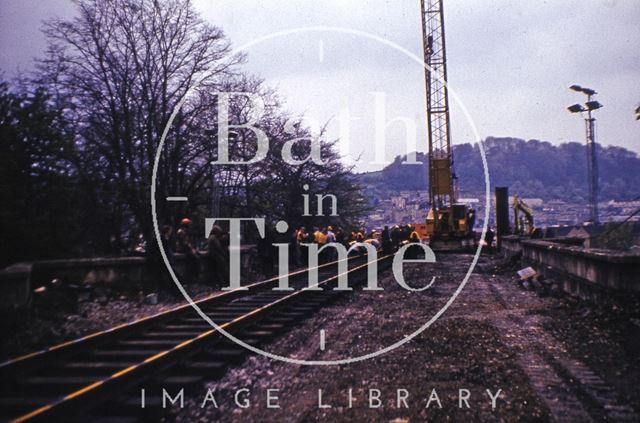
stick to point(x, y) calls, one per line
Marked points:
point(441, 189)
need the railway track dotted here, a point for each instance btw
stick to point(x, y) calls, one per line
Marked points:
point(567, 386)
point(100, 374)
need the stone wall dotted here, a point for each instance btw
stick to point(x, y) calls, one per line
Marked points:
point(583, 272)
point(18, 281)
point(510, 245)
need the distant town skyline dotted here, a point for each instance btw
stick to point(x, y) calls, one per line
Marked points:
point(510, 63)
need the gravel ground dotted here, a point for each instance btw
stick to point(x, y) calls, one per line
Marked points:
point(606, 337)
point(552, 358)
point(42, 329)
point(462, 350)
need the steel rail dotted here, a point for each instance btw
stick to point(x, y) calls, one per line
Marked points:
point(91, 394)
point(41, 357)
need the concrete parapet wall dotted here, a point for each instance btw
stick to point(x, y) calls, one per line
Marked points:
point(510, 245)
point(15, 286)
point(18, 281)
point(583, 272)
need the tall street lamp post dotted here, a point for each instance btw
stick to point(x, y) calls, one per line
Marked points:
point(592, 163)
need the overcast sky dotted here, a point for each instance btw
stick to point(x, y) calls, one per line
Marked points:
point(510, 63)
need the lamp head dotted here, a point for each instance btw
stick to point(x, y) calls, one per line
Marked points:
point(593, 105)
point(576, 108)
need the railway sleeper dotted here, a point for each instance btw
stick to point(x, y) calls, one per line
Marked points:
point(94, 368)
point(226, 352)
point(169, 334)
point(13, 406)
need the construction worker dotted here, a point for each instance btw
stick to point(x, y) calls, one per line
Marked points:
point(396, 236)
point(374, 239)
point(183, 238)
point(320, 236)
point(489, 240)
point(300, 256)
point(266, 252)
point(471, 219)
point(341, 238)
point(185, 246)
point(387, 244)
point(406, 232)
point(331, 254)
point(413, 251)
point(331, 237)
point(307, 237)
point(294, 249)
point(359, 239)
point(167, 242)
point(321, 240)
point(218, 256)
point(301, 234)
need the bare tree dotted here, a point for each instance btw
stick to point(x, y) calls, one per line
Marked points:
point(119, 70)
point(123, 66)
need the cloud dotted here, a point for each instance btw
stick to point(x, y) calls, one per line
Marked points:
point(510, 62)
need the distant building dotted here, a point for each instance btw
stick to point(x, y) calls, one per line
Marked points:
point(533, 202)
point(399, 202)
point(552, 204)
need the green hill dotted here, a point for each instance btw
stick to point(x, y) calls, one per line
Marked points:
point(530, 168)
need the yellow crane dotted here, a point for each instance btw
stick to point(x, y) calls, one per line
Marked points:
point(449, 225)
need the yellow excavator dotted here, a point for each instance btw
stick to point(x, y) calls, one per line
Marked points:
point(522, 225)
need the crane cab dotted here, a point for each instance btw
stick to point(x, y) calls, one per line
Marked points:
point(452, 230)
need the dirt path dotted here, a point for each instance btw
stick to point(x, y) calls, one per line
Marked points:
point(494, 337)
point(568, 387)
